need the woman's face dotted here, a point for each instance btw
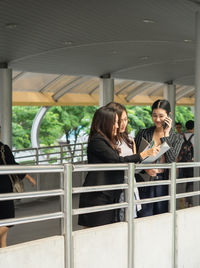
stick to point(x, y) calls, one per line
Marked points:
point(158, 117)
point(115, 126)
point(123, 122)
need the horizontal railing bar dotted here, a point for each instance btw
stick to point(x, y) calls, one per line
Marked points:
point(37, 218)
point(191, 179)
point(51, 147)
point(13, 169)
point(88, 189)
point(107, 167)
point(118, 205)
point(187, 164)
point(150, 166)
point(152, 200)
point(79, 211)
point(99, 167)
point(152, 183)
point(188, 194)
point(48, 193)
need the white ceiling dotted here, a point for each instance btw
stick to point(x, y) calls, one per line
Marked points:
point(97, 37)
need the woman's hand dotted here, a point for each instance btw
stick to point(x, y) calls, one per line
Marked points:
point(151, 172)
point(168, 127)
point(31, 180)
point(152, 151)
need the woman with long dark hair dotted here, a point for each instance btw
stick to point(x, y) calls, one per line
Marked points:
point(126, 146)
point(102, 148)
point(159, 133)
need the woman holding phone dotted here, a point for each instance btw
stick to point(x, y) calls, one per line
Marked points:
point(159, 133)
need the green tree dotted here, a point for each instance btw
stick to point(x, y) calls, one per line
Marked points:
point(74, 120)
point(22, 119)
point(183, 114)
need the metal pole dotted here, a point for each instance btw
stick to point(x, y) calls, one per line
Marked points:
point(61, 154)
point(197, 107)
point(6, 104)
point(62, 221)
point(131, 167)
point(82, 152)
point(173, 211)
point(68, 215)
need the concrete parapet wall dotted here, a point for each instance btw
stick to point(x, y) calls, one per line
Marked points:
point(107, 246)
point(47, 252)
point(188, 238)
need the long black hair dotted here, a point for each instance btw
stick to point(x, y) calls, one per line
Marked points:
point(120, 109)
point(102, 123)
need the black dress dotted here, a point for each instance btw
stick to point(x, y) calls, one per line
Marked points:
point(7, 207)
point(100, 151)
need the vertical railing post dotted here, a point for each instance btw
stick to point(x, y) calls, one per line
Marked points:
point(62, 202)
point(68, 215)
point(131, 168)
point(61, 154)
point(38, 175)
point(173, 211)
point(82, 152)
point(37, 156)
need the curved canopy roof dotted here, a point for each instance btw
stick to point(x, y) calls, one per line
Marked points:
point(75, 42)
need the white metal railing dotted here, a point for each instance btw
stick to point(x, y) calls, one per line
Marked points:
point(59, 154)
point(66, 191)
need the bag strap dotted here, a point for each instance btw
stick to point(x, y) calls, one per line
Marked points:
point(4, 161)
point(184, 138)
point(190, 137)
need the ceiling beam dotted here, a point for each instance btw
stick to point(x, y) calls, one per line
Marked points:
point(69, 86)
point(18, 76)
point(138, 90)
point(50, 83)
point(125, 87)
point(184, 92)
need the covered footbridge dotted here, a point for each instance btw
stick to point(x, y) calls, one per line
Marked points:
point(91, 52)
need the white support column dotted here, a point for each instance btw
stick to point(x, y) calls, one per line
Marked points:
point(197, 91)
point(197, 101)
point(170, 95)
point(6, 104)
point(106, 90)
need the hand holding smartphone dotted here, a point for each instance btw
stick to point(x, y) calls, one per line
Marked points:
point(164, 123)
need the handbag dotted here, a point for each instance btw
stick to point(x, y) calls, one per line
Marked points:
point(17, 184)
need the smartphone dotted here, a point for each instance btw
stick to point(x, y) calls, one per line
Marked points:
point(164, 123)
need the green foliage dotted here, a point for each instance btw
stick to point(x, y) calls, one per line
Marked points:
point(59, 120)
point(73, 120)
point(139, 117)
point(22, 120)
point(183, 114)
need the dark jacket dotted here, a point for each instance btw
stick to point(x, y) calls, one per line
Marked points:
point(100, 151)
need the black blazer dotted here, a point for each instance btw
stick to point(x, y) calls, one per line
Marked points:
point(100, 151)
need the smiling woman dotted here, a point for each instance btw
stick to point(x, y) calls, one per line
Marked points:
point(161, 132)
